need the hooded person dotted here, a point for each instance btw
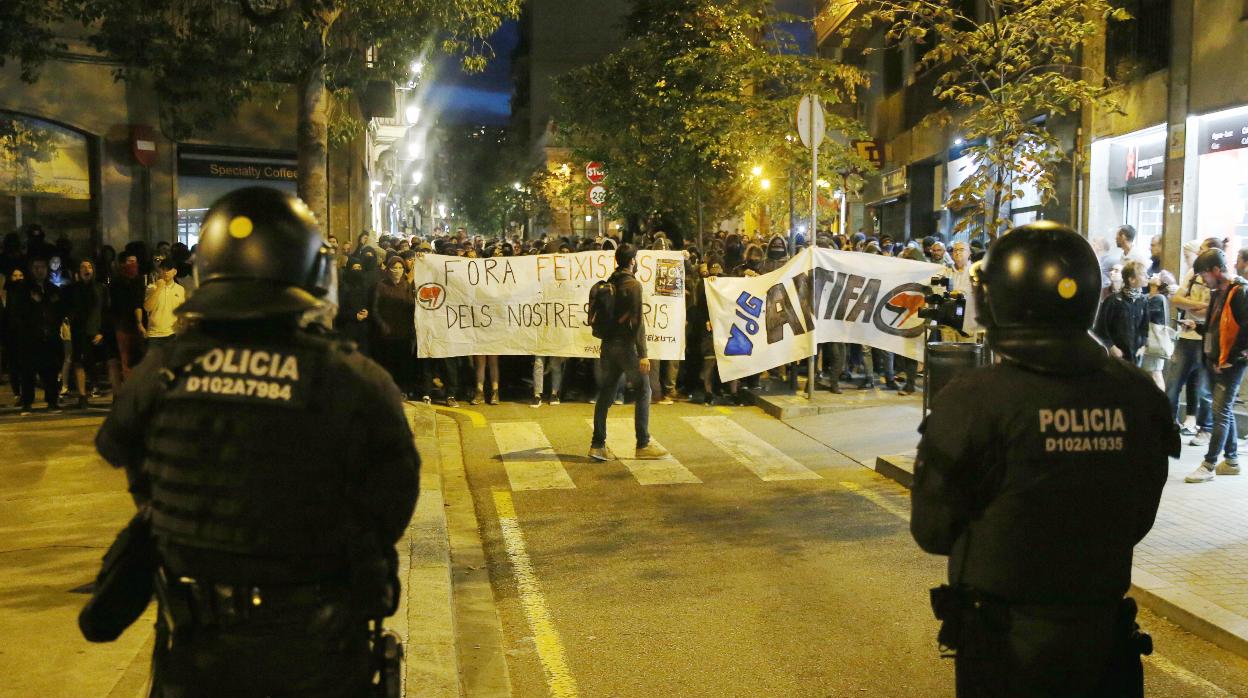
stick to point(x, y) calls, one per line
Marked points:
point(734, 253)
point(751, 263)
point(355, 300)
point(777, 254)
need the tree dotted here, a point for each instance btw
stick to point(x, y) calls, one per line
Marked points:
point(701, 91)
point(205, 58)
point(1003, 74)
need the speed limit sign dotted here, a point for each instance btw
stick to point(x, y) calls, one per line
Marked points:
point(597, 195)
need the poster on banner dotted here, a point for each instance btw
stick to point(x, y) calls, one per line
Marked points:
point(820, 295)
point(537, 304)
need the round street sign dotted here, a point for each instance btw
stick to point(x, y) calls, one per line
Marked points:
point(597, 195)
point(810, 121)
point(595, 172)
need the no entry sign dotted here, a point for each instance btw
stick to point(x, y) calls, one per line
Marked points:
point(595, 172)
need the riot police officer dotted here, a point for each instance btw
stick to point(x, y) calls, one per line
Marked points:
point(277, 465)
point(1037, 477)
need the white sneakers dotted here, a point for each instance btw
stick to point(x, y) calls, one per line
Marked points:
point(1201, 438)
point(1206, 471)
point(651, 451)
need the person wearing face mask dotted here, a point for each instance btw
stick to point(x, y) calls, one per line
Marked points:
point(38, 310)
point(394, 334)
point(752, 262)
point(1122, 322)
point(126, 294)
point(777, 254)
point(91, 342)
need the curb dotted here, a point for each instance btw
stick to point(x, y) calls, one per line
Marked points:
point(426, 616)
point(1201, 618)
point(784, 406)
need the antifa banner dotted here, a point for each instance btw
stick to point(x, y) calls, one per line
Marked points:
point(766, 321)
point(537, 304)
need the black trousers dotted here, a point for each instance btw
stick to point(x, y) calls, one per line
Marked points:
point(263, 661)
point(396, 355)
point(43, 360)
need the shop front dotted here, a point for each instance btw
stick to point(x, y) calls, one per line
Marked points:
point(46, 179)
point(207, 174)
point(889, 213)
point(1127, 185)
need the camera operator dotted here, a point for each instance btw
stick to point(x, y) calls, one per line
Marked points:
point(1037, 477)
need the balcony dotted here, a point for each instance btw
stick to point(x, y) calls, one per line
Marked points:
point(831, 16)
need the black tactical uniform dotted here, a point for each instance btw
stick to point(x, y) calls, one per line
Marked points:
point(278, 467)
point(1037, 477)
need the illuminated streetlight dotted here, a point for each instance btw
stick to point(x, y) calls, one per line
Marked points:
point(418, 177)
point(516, 186)
point(413, 113)
point(589, 218)
point(418, 66)
point(415, 148)
point(765, 184)
point(959, 142)
point(758, 170)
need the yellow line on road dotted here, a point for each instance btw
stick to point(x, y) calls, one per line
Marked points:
point(545, 635)
point(879, 500)
point(724, 410)
point(478, 419)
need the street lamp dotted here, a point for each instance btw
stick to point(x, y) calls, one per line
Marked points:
point(415, 148)
point(417, 177)
point(517, 186)
point(765, 184)
point(757, 171)
point(413, 114)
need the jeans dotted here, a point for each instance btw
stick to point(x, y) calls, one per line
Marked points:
point(1225, 438)
point(663, 377)
point(541, 366)
point(876, 362)
point(1187, 367)
point(620, 359)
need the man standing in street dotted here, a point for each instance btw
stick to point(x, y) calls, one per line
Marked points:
point(161, 302)
point(38, 310)
point(1037, 477)
point(277, 466)
point(624, 353)
point(1226, 351)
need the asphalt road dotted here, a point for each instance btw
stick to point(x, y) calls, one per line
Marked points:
point(799, 579)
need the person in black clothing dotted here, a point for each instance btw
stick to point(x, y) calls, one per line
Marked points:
point(1037, 477)
point(1122, 323)
point(38, 310)
point(354, 303)
point(277, 466)
point(88, 331)
point(394, 328)
point(624, 353)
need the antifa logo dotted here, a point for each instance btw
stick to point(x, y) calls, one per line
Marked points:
point(900, 307)
point(431, 296)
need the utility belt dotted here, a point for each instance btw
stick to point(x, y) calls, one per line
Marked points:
point(973, 623)
point(187, 603)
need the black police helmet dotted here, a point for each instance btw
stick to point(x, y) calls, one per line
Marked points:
point(1038, 289)
point(260, 254)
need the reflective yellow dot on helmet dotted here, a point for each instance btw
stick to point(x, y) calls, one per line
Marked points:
point(240, 227)
point(1067, 288)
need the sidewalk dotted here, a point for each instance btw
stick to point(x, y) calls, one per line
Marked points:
point(61, 506)
point(1192, 568)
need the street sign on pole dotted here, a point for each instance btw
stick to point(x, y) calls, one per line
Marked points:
point(597, 195)
point(595, 172)
point(811, 123)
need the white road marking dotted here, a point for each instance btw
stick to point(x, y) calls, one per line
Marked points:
point(622, 442)
point(763, 459)
point(545, 635)
point(528, 458)
point(1208, 688)
point(879, 500)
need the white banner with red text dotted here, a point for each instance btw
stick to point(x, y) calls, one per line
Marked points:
point(819, 296)
point(537, 304)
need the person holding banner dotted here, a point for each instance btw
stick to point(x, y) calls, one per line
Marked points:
point(624, 353)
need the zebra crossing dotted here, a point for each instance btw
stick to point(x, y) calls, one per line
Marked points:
point(532, 463)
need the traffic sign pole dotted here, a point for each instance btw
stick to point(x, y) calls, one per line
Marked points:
point(812, 229)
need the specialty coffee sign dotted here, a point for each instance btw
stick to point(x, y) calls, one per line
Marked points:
point(231, 168)
point(537, 304)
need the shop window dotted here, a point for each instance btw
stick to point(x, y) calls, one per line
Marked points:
point(1141, 45)
point(894, 69)
point(45, 179)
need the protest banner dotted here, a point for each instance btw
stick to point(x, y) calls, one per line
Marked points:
point(819, 296)
point(537, 304)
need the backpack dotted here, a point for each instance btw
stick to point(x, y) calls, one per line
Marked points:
point(602, 308)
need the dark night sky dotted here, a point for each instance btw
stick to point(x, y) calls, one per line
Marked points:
point(485, 98)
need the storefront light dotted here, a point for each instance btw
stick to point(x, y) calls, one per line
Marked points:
point(413, 113)
point(418, 177)
point(415, 148)
point(589, 219)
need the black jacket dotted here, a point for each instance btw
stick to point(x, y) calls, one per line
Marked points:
point(1123, 322)
point(630, 318)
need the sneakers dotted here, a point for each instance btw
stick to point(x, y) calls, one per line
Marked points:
point(1203, 473)
point(1189, 430)
point(452, 402)
point(477, 398)
point(536, 401)
point(651, 451)
point(26, 412)
point(494, 399)
point(554, 399)
point(427, 400)
point(1226, 467)
point(666, 400)
point(1201, 439)
point(82, 402)
point(709, 399)
point(619, 401)
point(600, 453)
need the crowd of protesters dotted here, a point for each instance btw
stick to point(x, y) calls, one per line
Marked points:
point(74, 326)
point(377, 301)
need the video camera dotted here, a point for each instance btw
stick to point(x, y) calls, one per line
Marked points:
point(942, 305)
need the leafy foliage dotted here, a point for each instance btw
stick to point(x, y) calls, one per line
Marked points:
point(26, 33)
point(701, 91)
point(1004, 73)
